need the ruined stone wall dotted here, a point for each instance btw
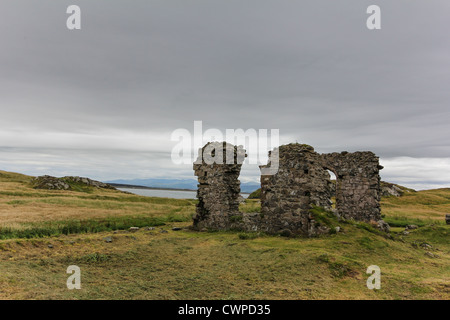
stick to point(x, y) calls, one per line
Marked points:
point(219, 188)
point(358, 189)
point(288, 195)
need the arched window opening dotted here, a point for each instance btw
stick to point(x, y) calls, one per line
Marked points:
point(333, 188)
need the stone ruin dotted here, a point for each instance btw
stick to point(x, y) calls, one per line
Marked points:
point(287, 196)
point(219, 188)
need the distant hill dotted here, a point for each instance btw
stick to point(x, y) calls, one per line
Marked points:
point(190, 184)
point(6, 176)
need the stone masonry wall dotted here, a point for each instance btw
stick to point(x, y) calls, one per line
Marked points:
point(219, 188)
point(287, 197)
point(358, 190)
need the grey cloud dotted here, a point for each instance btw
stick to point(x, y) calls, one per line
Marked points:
point(308, 68)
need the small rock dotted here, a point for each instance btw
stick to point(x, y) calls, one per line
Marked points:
point(134, 229)
point(286, 233)
point(150, 228)
point(108, 239)
point(176, 229)
point(431, 255)
point(50, 246)
point(405, 233)
point(164, 231)
point(383, 226)
point(337, 229)
point(411, 227)
point(426, 246)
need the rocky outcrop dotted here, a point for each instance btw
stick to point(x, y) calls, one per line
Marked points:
point(89, 182)
point(395, 190)
point(66, 183)
point(50, 183)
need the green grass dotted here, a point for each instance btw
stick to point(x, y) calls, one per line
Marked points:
point(249, 235)
point(324, 217)
point(12, 177)
point(250, 205)
point(66, 227)
point(236, 218)
point(224, 265)
point(43, 232)
point(403, 221)
point(255, 194)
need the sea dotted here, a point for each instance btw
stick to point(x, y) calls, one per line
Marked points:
point(163, 193)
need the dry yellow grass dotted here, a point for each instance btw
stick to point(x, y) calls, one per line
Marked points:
point(193, 265)
point(21, 204)
point(150, 264)
point(426, 205)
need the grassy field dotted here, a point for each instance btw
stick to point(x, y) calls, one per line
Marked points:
point(43, 232)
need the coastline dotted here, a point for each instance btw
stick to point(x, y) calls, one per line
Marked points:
point(130, 186)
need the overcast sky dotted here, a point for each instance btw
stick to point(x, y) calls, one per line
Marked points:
point(103, 101)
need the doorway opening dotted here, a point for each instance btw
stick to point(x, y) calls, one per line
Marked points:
point(333, 188)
